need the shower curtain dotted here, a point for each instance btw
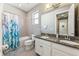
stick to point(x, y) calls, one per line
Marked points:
point(11, 31)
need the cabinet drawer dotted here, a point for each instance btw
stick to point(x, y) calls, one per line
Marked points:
point(66, 49)
point(44, 42)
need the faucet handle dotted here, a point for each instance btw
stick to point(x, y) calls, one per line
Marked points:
point(57, 35)
point(67, 37)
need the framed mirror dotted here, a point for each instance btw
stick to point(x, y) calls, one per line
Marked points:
point(62, 23)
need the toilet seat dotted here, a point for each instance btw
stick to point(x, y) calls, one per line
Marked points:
point(29, 42)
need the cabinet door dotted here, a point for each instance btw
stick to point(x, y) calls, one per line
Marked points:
point(38, 47)
point(56, 52)
point(65, 49)
point(46, 50)
point(42, 47)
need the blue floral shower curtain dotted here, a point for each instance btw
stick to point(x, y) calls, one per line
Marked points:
point(10, 30)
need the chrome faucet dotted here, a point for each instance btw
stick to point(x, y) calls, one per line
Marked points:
point(57, 36)
point(67, 37)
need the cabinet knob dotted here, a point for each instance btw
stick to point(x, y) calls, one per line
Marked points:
point(41, 46)
point(72, 33)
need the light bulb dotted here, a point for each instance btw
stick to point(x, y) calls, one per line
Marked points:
point(20, 5)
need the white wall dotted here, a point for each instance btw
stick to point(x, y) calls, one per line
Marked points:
point(1, 9)
point(22, 17)
point(50, 20)
point(71, 22)
point(33, 28)
point(29, 23)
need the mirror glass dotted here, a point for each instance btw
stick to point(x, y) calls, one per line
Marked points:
point(62, 23)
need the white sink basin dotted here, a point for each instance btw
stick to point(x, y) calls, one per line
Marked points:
point(45, 37)
point(69, 42)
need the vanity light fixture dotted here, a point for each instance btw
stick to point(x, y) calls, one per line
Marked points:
point(54, 5)
point(48, 6)
point(20, 5)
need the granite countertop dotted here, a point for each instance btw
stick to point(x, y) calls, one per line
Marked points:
point(55, 40)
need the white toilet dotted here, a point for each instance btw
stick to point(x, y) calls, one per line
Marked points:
point(28, 43)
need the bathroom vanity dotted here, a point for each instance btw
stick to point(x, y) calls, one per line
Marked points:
point(53, 47)
point(58, 22)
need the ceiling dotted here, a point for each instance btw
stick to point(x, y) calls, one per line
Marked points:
point(24, 6)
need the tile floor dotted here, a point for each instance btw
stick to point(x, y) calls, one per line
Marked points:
point(21, 52)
